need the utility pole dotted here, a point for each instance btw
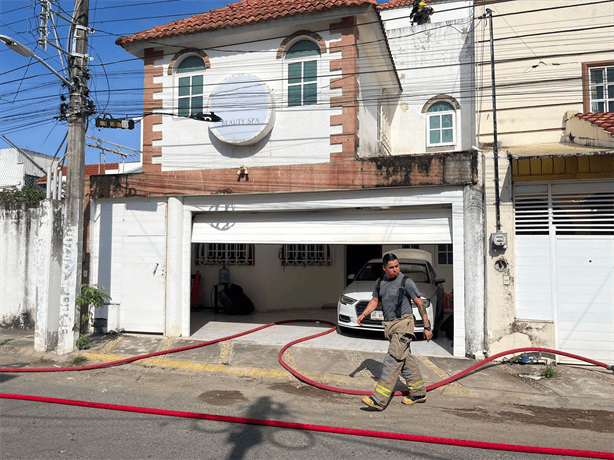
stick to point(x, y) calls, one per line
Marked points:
point(72, 255)
point(494, 123)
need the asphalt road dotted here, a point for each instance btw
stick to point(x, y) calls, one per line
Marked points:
point(31, 430)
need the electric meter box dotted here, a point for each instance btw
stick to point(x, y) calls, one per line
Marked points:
point(498, 240)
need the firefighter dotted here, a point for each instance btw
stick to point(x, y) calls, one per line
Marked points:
point(394, 291)
point(421, 13)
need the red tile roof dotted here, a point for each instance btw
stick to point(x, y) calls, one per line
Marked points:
point(603, 120)
point(240, 13)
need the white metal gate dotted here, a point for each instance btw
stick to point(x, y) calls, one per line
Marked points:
point(142, 283)
point(564, 262)
point(129, 242)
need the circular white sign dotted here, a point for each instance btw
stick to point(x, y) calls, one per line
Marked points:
point(246, 107)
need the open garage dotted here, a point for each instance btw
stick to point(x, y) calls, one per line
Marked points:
point(287, 251)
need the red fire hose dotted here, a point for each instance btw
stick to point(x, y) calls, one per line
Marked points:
point(301, 426)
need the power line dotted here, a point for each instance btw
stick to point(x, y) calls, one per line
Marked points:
point(423, 67)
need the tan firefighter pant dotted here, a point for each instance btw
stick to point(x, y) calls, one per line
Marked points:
point(399, 361)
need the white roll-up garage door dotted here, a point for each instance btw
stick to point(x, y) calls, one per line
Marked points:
point(399, 225)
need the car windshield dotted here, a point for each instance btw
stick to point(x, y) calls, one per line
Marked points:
point(417, 272)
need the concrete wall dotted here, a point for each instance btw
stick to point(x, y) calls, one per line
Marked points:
point(539, 49)
point(584, 132)
point(500, 311)
point(30, 254)
point(432, 60)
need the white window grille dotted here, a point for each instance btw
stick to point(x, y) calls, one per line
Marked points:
point(224, 254)
point(306, 254)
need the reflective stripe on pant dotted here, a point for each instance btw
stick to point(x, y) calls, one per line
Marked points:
point(391, 369)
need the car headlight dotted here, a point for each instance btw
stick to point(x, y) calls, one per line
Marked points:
point(425, 302)
point(345, 300)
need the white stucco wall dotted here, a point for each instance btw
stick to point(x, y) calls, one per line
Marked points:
point(271, 286)
point(431, 59)
point(539, 50)
point(300, 135)
point(379, 90)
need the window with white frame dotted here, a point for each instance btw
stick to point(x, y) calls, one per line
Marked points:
point(601, 88)
point(190, 95)
point(444, 254)
point(305, 254)
point(441, 124)
point(224, 254)
point(302, 60)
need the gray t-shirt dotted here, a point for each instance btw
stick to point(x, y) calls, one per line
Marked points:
point(389, 296)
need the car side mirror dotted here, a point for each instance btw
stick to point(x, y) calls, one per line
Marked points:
point(440, 280)
point(351, 277)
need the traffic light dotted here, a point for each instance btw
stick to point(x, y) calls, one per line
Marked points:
point(108, 122)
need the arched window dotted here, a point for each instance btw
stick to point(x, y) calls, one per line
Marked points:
point(190, 100)
point(441, 124)
point(303, 73)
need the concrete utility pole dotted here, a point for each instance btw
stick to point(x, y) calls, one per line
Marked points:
point(72, 255)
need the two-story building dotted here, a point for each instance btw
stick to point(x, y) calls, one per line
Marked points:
point(318, 162)
point(552, 283)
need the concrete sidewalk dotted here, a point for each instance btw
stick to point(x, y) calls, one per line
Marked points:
point(342, 361)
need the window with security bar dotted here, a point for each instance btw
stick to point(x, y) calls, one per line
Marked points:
point(305, 254)
point(224, 254)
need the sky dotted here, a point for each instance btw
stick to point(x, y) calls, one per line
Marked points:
point(30, 94)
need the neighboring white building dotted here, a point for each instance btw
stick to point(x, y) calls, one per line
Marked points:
point(436, 110)
point(552, 285)
point(19, 168)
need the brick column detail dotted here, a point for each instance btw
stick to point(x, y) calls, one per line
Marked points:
point(149, 105)
point(348, 82)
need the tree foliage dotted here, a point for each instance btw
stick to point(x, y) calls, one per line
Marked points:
point(27, 193)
